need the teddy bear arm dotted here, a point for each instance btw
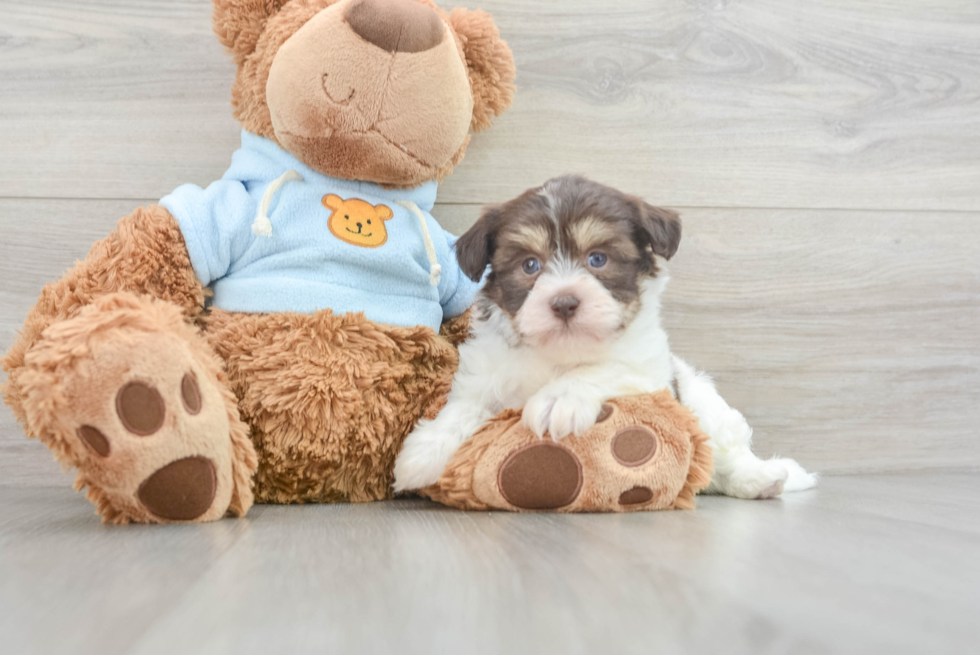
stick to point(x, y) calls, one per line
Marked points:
point(145, 255)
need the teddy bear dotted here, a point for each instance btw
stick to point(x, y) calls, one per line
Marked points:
point(274, 336)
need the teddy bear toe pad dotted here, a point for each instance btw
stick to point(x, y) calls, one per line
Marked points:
point(140, 407)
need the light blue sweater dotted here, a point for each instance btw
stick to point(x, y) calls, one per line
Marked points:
point(321, 252)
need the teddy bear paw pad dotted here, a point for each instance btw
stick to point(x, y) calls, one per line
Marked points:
point(156, 450)
point(180, 491)
point(543, 475)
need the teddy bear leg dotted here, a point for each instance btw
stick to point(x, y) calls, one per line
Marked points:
point(643, 453)
point(130, 394)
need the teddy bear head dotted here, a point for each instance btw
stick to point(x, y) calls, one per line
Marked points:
point(379, 90)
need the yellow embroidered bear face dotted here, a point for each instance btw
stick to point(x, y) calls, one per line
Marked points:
point(357, 222)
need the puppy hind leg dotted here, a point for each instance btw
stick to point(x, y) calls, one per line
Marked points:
point(738, 471)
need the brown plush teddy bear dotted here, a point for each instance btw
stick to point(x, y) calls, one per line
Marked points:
point(276, 333)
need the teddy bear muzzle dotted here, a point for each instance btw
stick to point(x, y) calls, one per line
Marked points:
point(385, 98)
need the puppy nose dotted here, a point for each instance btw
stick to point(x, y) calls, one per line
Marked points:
point(564, 306)
point(396, 25)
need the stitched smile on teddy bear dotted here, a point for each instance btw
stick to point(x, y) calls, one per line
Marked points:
point(356, 221)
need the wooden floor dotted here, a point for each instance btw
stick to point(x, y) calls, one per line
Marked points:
point(866, 564)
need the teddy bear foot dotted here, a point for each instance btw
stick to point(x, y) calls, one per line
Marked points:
point(644, 453)
point(129, 394)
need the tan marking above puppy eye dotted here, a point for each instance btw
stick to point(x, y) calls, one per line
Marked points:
point(591, 232)
point(530, 237)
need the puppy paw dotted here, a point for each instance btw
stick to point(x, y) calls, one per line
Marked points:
point(760, 480)
point(561, 410)
point(799, 479)
point(537, 413)
point(423, 458)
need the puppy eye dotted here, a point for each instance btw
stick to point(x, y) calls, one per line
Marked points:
point(531, 266)
point(597, 260)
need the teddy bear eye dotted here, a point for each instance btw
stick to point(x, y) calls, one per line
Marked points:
point(369, 221)
point(346, 216)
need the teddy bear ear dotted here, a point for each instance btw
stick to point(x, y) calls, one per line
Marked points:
point(239, 23)
point(490, 63)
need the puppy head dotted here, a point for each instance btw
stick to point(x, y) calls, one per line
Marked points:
point(568, 259)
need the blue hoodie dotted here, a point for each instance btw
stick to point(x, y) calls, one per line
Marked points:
point(320, 243)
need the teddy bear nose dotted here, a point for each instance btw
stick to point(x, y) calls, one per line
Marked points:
point(396, 25)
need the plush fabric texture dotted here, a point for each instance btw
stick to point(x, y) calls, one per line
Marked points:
point(125, 374)
point(395, 26)
point(490, 62)
point(145, 254)
point(73, 383)
point(328, 423)
point(645, 453)
point(327, 398)
point(358, 111)
point(303, 265)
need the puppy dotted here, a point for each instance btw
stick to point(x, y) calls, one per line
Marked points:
point(568, 317)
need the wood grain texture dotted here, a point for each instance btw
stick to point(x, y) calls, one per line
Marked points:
point(754, 103)
point(848, 338)
point(862, 565)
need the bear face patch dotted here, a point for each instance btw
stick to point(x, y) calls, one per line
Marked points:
point(357, 222)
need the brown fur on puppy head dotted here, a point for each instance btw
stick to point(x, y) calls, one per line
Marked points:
point(376, 90)
point(569, 257)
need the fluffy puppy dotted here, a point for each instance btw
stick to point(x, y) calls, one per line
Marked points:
point(569, 316)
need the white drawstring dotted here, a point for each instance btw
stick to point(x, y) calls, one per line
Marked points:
point(435, 270)
point(262, 226)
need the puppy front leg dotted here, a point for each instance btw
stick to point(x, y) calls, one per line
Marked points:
point(738, 471)
point(430, 446)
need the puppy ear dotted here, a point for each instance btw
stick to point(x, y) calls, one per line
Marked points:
point(658, 228)
point(490, 63)
point(474, 249)
point(239, 23)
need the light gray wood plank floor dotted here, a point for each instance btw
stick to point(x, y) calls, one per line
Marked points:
point(865, 564)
